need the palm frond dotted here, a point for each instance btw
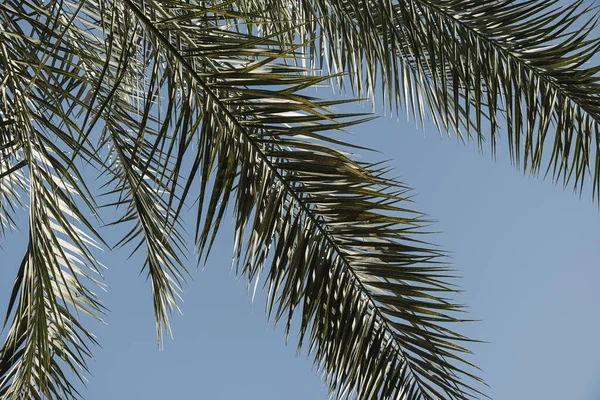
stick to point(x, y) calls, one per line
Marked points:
point(141, 193)
point(177, 81)
point(12, 183)
point(340, 244)
point(51, 291)
point(166, 95)
point(49, 294)
point(137, 166)
point(473, 64)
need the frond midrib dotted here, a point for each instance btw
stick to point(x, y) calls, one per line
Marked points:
point(306, 210)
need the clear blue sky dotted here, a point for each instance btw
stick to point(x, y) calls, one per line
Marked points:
point(528, 252)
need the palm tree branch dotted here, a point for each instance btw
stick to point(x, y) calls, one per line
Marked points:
point(552, 56)
point(133, 168)
point(471, 63)
point(50, 291)
point(443, 377)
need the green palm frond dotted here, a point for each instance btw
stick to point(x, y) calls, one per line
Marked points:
point(52, 288)
point(11, 184)
point(180, 93)
point(333, 236)
point(137, 167)
point(479, 67)
point(139, 190)
point(166, 97)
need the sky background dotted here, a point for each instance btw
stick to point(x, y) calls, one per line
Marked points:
point(527, 250)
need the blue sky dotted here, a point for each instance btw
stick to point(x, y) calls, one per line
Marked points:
point(527, 251)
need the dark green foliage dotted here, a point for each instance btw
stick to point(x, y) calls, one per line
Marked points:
point(203, 102)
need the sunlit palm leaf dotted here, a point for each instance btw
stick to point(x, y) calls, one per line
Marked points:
point(479, 67)
point(340, 243)
point(12, 183)
point(51, 291)
point(163, 96)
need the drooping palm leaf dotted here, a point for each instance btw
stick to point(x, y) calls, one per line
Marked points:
point(181, 93)
point(339, 242)
point(162, 96)
point(52, 290)
point(478, 66)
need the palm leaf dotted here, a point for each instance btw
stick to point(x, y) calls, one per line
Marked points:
point(479, 67)
point(176, 81)
point(164, 96)
point(52, 288)
point(336, 233)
